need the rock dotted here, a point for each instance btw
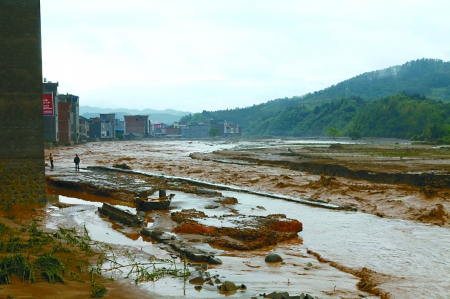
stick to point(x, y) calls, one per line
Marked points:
point(122, 166)
point(228, 286)
point(273, 258)
point(276, 295)
point(197, 280)
point(214, 261)
point(211, 207)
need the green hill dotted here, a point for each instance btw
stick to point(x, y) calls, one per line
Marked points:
point(428, 77)
point(337, 105)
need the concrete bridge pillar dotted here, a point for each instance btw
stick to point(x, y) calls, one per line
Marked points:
point(22, 174)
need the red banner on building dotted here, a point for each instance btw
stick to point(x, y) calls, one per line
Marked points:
point(47, 104)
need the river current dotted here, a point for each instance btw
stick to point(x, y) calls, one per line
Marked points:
point(413, 256)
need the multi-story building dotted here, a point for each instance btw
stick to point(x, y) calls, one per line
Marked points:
point(172, 131)
point(221, 125)
point(102, 128)
point(119, 125)
point(226, 129)
point(197, 130)
point(137, 125)
point(61, 115)
point(68, 118)
point(50, 107)
point(109, 123)
point(84, 129)
point(233, 130)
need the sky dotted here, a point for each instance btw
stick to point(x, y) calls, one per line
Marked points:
point(195, 55)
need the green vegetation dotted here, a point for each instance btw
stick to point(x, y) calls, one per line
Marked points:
point(34, 255)
point(334, 132)
point(355, 134)
point(399, 116)
point(120, 136)
point(214, 132)
point(428, 77)
point(407, 101)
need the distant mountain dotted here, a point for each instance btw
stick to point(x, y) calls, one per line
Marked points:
point(167, 116)
point(425, 77)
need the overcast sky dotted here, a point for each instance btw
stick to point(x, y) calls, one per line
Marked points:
point(211, 55)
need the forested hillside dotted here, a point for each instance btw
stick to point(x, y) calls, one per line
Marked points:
point(428, 77)
point(355, 104)
point(398, 116)
point(402, 116)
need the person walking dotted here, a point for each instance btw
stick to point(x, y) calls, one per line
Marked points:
point(76, 160)
point(51, 160)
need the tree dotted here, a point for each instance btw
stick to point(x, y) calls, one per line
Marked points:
point(334, 132)
point(355, 134)
point(214, 132)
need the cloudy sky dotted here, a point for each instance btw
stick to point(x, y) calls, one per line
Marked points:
point(194, 55)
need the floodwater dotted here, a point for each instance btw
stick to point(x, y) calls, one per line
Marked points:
point(413, 256)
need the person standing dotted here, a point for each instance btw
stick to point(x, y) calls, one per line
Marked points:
point(51, 160)
point(76, 160)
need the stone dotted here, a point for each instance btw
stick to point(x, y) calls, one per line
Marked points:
point(228, 286)
point(276, 295)
point(211, 207)
point(214, 261)
point(197, 280)
point(273, 258)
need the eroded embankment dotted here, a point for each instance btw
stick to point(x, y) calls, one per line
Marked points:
point(414, 179)
point(370, 280)
point(330, 168)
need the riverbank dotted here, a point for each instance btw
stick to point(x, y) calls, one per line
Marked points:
point(394, 179)
point(265, 167)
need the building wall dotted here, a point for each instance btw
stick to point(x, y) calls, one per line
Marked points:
point(95, 128)
point(51, 132)
point(71, 106)
point(21, 116)
point(83, 129)
point(199, 130)
point(137, 124)
point(171, 130)
point(64, 123)
point(109, 126)
point(219, 124)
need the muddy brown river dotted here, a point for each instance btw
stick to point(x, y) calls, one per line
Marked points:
point(410, 258)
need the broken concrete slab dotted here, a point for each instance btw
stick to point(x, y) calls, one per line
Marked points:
point(123, 216)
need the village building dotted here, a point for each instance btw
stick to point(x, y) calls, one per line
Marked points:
point(84, 129)
point(61, 115)
point(137, 125)
point(197, 130)
point(50, 110)
point(102, 128)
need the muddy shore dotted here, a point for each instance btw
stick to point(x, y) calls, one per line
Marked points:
point(393, 180)
point(396, 180)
